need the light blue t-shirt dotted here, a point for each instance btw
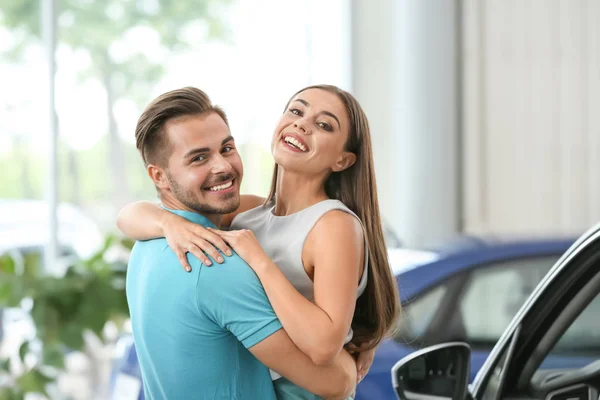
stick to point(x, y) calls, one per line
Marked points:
point(192, 330)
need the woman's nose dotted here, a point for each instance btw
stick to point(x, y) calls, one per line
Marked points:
point(300, 124)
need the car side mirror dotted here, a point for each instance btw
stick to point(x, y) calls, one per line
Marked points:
point(436, 372)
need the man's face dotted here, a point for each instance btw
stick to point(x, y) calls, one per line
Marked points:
point(204, 170)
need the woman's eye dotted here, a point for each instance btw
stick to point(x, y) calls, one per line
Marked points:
point(325, 125)
point(295, 111)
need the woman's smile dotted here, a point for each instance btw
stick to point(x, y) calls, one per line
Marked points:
point(295, 143)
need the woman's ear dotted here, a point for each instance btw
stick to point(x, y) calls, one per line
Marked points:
point(345, 161)
point(158, 176)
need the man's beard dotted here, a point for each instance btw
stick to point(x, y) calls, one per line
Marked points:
point(187, 198)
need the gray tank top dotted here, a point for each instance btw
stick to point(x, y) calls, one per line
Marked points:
point(283, 238)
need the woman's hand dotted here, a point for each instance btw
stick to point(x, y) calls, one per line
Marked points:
point(245, 244)
point(184, 236)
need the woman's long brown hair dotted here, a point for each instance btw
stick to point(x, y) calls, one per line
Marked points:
point(378, 309)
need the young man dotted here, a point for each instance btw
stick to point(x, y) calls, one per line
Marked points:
point(211, 335)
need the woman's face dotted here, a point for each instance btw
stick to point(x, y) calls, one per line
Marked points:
point(311, 134)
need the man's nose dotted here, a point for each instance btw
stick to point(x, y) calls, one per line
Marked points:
point(220, 165)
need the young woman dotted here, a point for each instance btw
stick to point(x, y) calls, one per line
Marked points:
point(316, 243)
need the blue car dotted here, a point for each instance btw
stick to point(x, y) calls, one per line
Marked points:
point(550, 350)
point(468, 291)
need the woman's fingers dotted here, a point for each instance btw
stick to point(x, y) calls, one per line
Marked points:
point(217, 242)
point(203, 247)
point(183, 260)
point(227, 237)
point(199, 254)
point(209, 250)
point(219, 232)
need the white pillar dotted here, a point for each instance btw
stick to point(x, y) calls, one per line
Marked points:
point(48, 23)
point(406, 77)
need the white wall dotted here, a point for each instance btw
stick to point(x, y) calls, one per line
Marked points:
point(524, 134)
point(531, 115)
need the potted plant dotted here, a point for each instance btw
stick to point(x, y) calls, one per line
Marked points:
point(63, 311)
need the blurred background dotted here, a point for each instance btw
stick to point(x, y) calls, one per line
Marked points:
point(481, 114)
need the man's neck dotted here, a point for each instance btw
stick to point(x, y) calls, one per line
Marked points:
point(174, 204)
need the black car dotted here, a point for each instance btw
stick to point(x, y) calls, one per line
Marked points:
point(549, 323)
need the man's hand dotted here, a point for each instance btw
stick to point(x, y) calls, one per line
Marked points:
point(364, 359)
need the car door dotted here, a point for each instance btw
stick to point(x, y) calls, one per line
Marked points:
point(560, 320)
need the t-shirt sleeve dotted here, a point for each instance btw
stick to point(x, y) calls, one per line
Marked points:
point(233, 296)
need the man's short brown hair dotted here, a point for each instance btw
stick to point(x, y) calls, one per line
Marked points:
point(150, 137)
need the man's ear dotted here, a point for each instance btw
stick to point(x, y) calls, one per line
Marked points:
point(158, 176)
point(345, 161)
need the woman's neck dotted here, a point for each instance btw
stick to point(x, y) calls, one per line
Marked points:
point(296, 192)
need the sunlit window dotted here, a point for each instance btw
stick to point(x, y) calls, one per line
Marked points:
point(114, 57)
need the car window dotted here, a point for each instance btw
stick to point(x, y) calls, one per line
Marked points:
point(417, 315)
point(583, 336)
point(495, 293)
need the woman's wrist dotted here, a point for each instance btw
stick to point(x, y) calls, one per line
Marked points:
point(263, 266)
point(164, 220)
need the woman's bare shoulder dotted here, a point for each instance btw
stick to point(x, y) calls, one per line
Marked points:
point(247, 202)
point(336, 232)
point(336, 228)
point(335, 221)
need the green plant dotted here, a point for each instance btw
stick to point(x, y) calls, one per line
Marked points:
point(91, 293)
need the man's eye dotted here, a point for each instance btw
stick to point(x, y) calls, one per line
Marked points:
point(227, 149)
point(198, 158)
